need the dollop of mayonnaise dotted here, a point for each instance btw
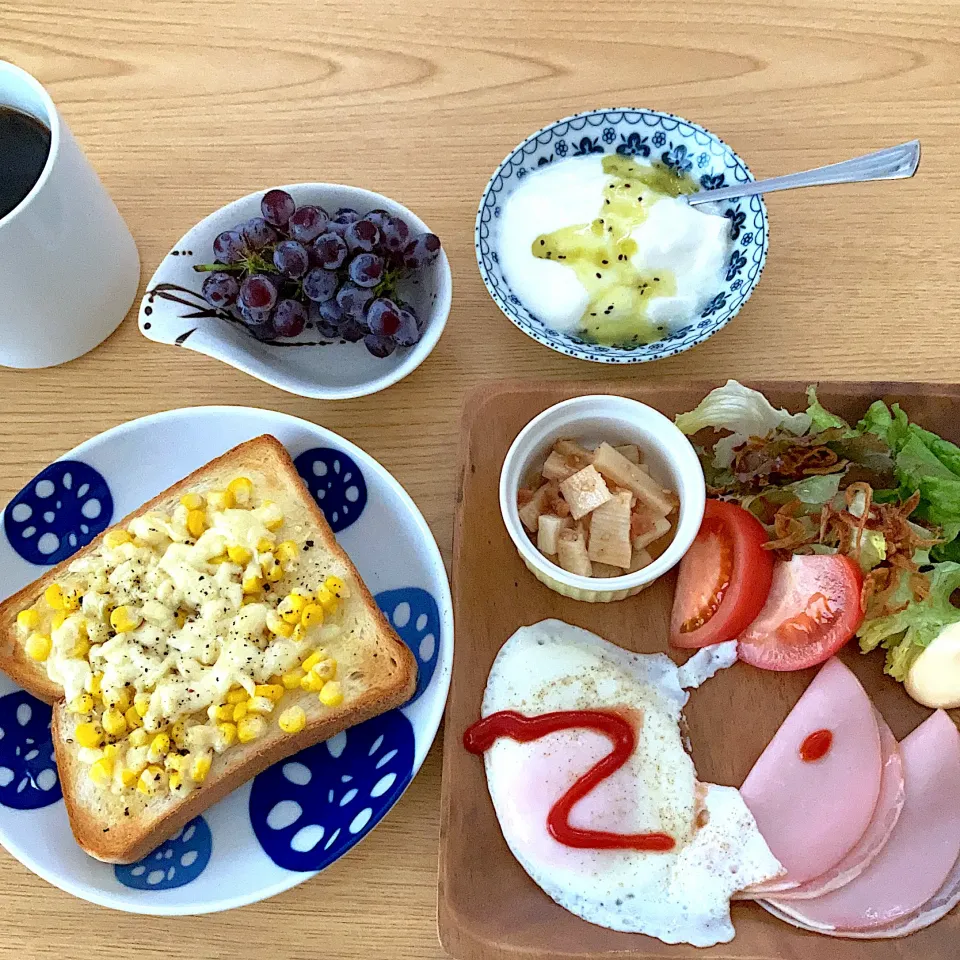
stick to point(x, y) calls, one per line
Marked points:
point(934, 678)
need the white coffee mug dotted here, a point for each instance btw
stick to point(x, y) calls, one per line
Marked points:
point(69, 267)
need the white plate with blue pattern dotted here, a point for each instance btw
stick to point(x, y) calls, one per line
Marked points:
point(296, 818)
point(650, 135)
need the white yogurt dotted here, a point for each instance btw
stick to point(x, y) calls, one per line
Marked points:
point(570, 191)
point(692, 244)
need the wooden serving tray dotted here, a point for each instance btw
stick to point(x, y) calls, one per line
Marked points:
point(488, 908)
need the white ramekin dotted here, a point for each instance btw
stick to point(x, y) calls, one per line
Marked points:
point(590, 420)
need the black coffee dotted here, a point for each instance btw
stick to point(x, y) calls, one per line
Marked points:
point(24, 146)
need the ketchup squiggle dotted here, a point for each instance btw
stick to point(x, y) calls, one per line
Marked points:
point(481, 735)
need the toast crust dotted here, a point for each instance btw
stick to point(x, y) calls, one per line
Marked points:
point(383, 671)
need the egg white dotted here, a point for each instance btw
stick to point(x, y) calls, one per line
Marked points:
point(680, 897)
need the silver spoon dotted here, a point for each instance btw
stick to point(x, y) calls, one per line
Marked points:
point(894, 163)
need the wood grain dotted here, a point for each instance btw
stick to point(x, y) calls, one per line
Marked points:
point(183, 106)
point(489, 909)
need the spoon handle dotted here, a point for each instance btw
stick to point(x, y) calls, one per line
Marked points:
point(894, 163)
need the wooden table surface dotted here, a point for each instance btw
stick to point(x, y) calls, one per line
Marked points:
point(182, 106)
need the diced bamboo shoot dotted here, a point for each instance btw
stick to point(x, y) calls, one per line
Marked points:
point(648, 529)
point(640, 560)
point(616, 467)
point(570, 448)
point(584, 491)
point(629, 451)
point(558, 467)
point(530, 511)
point(548, 532)
point(572, 552)
point(610, 532)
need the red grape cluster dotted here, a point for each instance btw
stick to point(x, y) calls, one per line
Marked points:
point(295, 266)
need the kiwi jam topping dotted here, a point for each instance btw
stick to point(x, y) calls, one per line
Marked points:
point(600, 253)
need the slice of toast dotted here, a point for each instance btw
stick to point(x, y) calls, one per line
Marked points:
point(376, 670)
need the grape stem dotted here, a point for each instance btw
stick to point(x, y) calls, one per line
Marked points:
point(387, 286)
point(253, 264)
point(225, 267)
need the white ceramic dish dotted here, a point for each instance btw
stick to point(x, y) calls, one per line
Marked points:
point(173, 311)
point(590, 420)
point(301, 815)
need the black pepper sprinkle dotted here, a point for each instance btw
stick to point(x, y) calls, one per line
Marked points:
point(308, 543)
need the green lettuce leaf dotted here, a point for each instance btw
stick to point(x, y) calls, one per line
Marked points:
point(924, 462)
point(821, 549)
point(820, 417)
point(943, 551)
point(900, 658)
point(904, 635)
point(878, 419)
point(916, 461)
point(891, 424)
point(919, 452)
point(817, 490)
point(870, 457)
point(812, 492)
point(940, 504)
point(946, 452)
point(744, 412)
point(873, 550)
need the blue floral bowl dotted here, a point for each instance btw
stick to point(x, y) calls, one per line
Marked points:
point(649, 134)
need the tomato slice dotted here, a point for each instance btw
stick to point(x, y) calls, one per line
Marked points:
point(724, 578)
point(812, 611)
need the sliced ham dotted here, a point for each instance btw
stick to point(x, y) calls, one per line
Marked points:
point(916, 866)
point(937, 907)
point(813, 814)
point(885, 816)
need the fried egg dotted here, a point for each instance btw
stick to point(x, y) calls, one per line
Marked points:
point(681, 896)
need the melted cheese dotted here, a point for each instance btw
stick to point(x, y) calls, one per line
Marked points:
point(196, 640)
